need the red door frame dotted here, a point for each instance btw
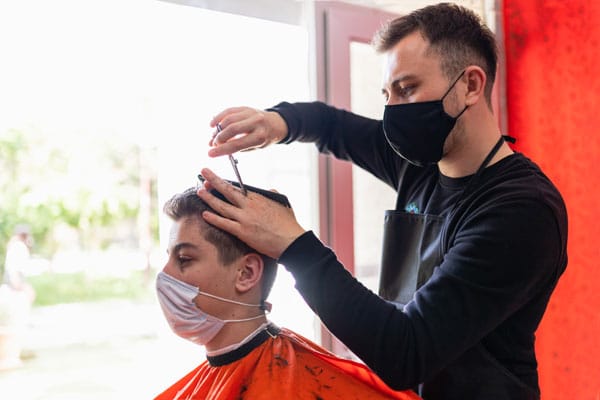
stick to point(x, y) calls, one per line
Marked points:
point(335, 29)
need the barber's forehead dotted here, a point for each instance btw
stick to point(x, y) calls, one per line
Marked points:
point(411, 58)
point(414, 48)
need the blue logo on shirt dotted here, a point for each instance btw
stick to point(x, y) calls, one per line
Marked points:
point(412, 208)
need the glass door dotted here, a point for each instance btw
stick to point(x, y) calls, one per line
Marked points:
point(352, 202)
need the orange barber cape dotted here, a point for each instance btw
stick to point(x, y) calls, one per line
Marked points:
point(286, 366)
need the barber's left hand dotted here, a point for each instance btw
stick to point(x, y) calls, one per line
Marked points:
point(261, 223)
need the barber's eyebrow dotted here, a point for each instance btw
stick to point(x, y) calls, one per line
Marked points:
point(400, 79)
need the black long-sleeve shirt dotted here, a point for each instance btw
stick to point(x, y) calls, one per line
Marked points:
point(505, 248)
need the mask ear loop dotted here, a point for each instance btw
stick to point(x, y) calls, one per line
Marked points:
point(461, 113)
point(453, 83)
point(227, 300)
point(448, 91)
point(264, 305)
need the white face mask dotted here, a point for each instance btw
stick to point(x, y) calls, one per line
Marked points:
point(176, 299)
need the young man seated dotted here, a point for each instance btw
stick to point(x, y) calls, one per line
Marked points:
point(213, 292)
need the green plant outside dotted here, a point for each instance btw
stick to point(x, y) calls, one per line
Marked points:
point(35, 169)
point(53, 288)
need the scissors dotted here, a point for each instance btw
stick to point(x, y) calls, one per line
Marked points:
point(234, 163)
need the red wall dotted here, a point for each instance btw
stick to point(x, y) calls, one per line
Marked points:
point(553, 95)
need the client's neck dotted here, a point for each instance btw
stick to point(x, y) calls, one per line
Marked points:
point(234, 332)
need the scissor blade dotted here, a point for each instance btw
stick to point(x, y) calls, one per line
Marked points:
point(237, 174)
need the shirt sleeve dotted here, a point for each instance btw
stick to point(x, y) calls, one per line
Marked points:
point(343, 134)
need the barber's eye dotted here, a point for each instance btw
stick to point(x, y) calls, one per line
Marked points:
point(405, 91)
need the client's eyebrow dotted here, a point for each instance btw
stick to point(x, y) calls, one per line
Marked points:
point(183, 245)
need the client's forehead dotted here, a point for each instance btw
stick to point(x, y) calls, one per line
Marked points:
point(188, 229)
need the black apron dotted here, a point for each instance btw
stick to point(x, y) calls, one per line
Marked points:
point(413, 245)
point(411, 249)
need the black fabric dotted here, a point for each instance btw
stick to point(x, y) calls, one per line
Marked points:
point(223, 359)
point(411, 249)
point(477, 314)
point(412, 245)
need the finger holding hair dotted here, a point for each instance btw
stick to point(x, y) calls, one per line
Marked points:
point(263, 224)
point(233, 194)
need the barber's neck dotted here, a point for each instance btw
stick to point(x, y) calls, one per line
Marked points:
point(469, 144)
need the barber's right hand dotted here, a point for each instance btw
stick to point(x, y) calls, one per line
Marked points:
point(245, 128)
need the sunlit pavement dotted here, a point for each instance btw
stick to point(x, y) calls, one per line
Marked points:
point(105, 350)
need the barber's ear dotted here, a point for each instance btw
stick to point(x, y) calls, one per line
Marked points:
point(476, 79)
point(249, 272)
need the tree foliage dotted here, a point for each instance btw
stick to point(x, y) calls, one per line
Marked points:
point(87, 184)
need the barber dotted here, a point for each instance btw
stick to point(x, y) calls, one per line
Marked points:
point(477, 241)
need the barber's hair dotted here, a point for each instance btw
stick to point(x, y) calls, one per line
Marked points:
point(229, 247)
point(454, 33)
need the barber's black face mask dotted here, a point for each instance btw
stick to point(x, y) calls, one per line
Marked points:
point(418, 131)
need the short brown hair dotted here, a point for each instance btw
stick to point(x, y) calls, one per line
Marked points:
point(229, 247)
point(455, 33)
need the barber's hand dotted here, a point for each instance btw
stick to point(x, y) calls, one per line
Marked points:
point(261, 223)
point(245, 128)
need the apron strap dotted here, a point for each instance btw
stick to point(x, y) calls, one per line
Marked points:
point(482, 167)
point(470, 186)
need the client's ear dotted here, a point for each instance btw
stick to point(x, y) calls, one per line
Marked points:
point(249, 273)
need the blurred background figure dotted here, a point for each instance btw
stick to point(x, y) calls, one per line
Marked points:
point(18, 258)
point(16, 298)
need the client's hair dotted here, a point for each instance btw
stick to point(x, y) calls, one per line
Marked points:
point(229, 247)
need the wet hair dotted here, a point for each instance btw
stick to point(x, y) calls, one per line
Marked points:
point(455, 33)
point(229, 248)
